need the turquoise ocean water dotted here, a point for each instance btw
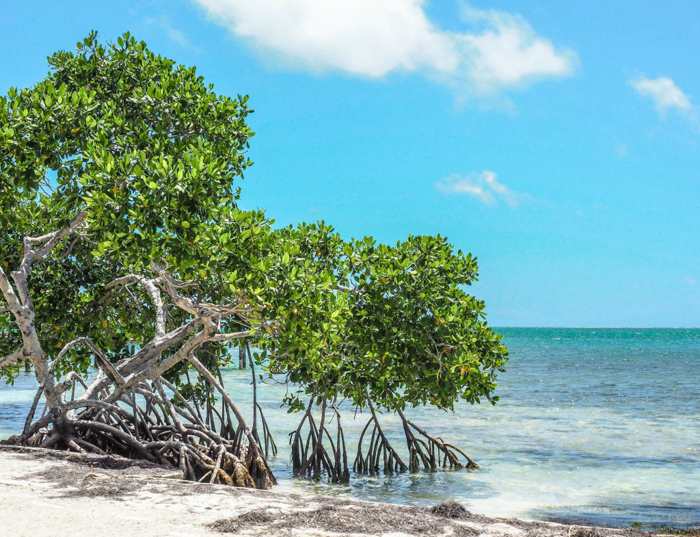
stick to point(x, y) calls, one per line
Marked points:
point(601, 425)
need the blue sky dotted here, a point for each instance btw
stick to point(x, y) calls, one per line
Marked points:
point(557, 141)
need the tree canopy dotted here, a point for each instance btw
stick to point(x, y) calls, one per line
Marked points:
point(124, 239)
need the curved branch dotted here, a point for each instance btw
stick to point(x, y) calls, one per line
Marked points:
point(102, 361)
point(11, 358)
point(8, 292)
point(198, 309)
point(50, 240)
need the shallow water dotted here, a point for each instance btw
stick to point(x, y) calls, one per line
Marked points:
point(593, 424)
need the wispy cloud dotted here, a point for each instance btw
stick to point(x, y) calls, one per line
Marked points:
point(622, 150)
point(483, 186)
point(174, 34)
point(371, 38)
point(690, 280)
point(665, 94)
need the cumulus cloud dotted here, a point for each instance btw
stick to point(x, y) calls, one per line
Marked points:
point(483, 186)
point(374, 38)
point(508, 52)
point(664, 92)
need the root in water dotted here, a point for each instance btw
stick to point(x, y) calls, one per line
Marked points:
point(432, 452)
point(311, 457)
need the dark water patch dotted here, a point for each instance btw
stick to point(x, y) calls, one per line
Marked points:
point(621, 515)
point(576, 459)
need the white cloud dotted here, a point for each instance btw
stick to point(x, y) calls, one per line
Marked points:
point(376, 37)
point(664, 92)
point(483, 186)
point(690, 280)
point(508, 52)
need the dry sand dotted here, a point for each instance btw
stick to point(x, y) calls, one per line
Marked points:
point(49, 493)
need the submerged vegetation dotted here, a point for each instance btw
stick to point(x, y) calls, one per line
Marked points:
point(127, 268)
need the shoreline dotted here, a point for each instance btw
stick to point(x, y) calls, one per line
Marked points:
point(45, 492)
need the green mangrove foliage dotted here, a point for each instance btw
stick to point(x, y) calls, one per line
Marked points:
point(128, 270)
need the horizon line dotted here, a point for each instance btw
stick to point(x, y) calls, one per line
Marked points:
point(602, 327)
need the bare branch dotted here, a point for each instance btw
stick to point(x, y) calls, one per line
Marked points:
point(156, 346)
point(158, 305)
point(229, 337)
point(180, 301)
point(68, 346)
point(103, 361)
point(11, 358)
point(123, 280)
point(96, 403)
point(148, 367)
point(194, 308)
point(9, 293)
point(346, 289)
point(49, 242)
point(69, 380)
point(199, 366)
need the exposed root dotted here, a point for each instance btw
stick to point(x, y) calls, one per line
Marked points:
point(268, 442)
point(310, 456)
point(380, 452)
point(430, 452)
point(125, 409)
point(146, 424)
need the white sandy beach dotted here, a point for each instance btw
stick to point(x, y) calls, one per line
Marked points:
point(51, 493)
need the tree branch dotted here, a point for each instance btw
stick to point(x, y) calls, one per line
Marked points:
point(9, 293)
point(153, 291)
point(136, 366)
point(158, 304)
point(49, 241)
point(198, 309)
point(350, 290)
point(180, 301)
point(11, 358)
point(229, 337)
point(199, 366)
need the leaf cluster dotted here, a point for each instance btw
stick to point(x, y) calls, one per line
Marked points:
point(153, 157)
